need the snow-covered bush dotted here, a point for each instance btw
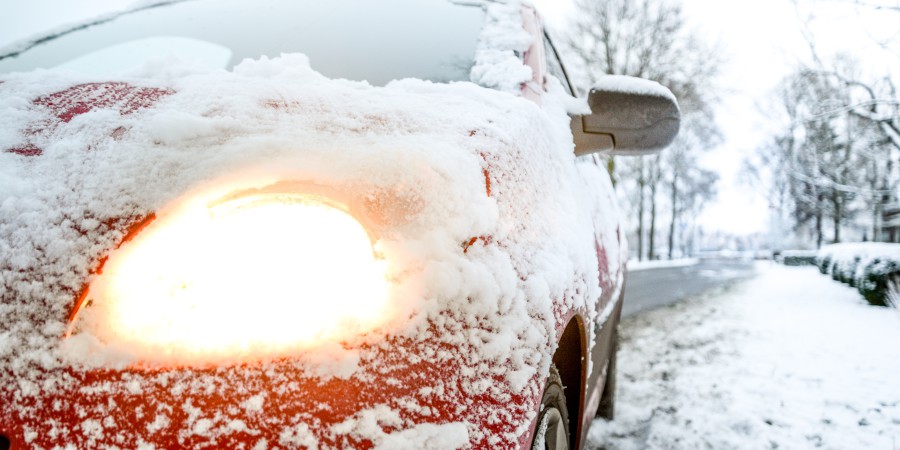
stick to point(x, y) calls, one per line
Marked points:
point(876, 278)
point(871, 267)
point(798, 257)
point(823, 262)
point(893, 292)
point(844, 269)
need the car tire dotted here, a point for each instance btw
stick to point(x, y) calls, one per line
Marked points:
point(552, 432)
point(607, 407)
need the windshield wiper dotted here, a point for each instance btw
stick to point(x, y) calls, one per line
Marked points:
point(20, 47)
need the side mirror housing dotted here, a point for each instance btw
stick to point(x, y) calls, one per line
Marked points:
point(629, 116)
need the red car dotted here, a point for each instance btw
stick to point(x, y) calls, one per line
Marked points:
point(394, 235)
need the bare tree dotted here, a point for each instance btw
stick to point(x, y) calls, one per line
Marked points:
point(648, 39)
point(641, 184)
point(838, 153)
point(871, 109)
point(689, 186)
point(832, 160)
point(653, 181)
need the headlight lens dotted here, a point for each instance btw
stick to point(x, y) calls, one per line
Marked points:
point(258, 275)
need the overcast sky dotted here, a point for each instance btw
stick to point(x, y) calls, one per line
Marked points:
point(763, 41)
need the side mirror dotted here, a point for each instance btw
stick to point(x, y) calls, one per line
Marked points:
point(629, 116)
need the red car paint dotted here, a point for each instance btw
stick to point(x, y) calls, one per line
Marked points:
point(404, 374)
point(84, 98)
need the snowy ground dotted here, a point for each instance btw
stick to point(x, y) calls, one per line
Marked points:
point(789, 360)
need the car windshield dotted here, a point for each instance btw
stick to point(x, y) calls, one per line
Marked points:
point(375, 41)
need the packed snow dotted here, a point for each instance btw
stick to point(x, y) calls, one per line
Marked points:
point(489, 228)
point(789, 360)
point(637, 86)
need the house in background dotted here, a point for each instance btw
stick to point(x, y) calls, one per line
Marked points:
point(890, 223)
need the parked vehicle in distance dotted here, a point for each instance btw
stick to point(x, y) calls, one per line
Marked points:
point(302, 224)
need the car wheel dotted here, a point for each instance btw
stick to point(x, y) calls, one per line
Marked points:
point(552, 432)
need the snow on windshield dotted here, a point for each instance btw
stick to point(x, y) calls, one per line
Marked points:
point(353, 39)
point(22, 45)
point(498, 228)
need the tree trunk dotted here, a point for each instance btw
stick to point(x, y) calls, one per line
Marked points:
point(819, 234)
point(674, 215)
point(876, 216)
point(651, 255)
point(640, 230)
point(838, 212)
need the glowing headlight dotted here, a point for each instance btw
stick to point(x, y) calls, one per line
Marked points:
point(258, 275)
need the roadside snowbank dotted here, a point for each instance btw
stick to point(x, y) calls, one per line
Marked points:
point(659, 264)
point(789, 360)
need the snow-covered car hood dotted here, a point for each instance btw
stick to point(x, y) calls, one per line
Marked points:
point(484, 237)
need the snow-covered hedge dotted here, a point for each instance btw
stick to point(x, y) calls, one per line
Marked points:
point(872, 267)
point(798, 257)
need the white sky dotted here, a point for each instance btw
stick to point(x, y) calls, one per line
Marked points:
point(762, 40)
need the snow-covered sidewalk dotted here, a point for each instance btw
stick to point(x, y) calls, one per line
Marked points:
point(788, 360)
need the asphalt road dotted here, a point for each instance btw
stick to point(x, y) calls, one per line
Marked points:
point(651, 288)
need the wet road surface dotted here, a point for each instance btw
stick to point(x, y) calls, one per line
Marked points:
point(651, 288)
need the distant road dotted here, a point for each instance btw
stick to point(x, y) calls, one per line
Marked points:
point(654, 287)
